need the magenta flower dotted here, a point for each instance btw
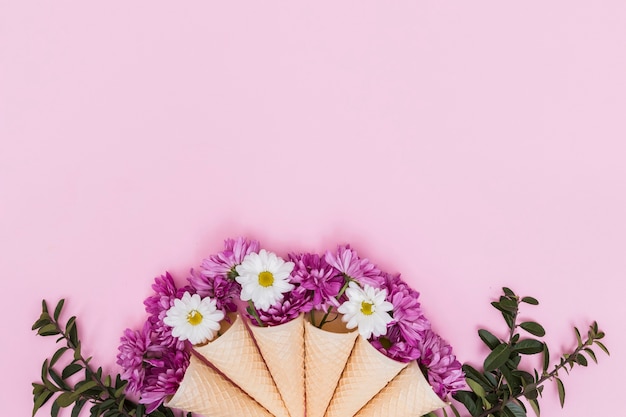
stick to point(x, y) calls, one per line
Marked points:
point(407, 313)
point(293, 304)
point(346, 261)
point(223, 264)
point(395, 346)
point(153, 367)
point(314, 274)
point(225, 291)
point(443, 370)
point(163, 379)
point(134, 347)
point(165, 293)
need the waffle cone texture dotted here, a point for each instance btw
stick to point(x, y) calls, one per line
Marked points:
point(237, 357)
point(204, 391)
point(296, 370)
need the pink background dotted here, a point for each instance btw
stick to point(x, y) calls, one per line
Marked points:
point(468, 145)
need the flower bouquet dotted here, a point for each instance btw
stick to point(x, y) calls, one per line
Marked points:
point(316, 335)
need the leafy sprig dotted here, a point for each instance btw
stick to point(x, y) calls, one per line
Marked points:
point(502, 389)
point(105, 393)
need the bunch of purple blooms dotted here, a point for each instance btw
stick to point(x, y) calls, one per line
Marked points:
point(339, 284)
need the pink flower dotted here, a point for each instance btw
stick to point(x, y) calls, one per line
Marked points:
point(165, 293)
point(223, 264)
point(224, 290)
point(346, 261)
point(407, 313)
point(163, 379)
point(314, 274)
point(153, 367)
point(395, 346)
point(443, 370)
point(291, 306)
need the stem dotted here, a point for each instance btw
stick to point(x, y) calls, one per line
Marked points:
point(254, 313)
point(343, 289)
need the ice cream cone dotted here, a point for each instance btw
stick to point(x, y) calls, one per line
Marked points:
point(326, 352)
point(237, 357)
point(282, 348)
point(204, 391)
point(407, 395)
point(366, 373)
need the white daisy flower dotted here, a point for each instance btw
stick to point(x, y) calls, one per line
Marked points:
point(264, 277)
point(194, 319)
point(366, 309)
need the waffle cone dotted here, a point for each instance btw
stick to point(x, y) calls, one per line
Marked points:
point(204, 391)
point(407, 395)
point(237, 357)
point(323, 370)
point(366, 373)
point(282, 348)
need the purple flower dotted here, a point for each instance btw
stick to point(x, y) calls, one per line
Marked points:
point(134, 347)
point(314, 274)
point(292, 304)
point(165, 293)
point(225, 291)
point(408, 317)
point(153, 367)
point(346, 261)
point(443, 371)
point(223, 264)
point(163, 378)
point(395, 346)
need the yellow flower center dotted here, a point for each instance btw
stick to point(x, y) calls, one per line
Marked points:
point(266, 279)
point(194, 317)
point(366, 308)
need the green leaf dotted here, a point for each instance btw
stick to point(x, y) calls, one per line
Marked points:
point(44, 377)
point(581, 360)
point(71, 369)
point(44, 306)
point(56, 378)
point(508, 292)
point(508, 304)
point(476, 387)
point(58, 355)
point(66, 399)
point(601, 346)
point(42, 321)
point(40, 400)
point(530, 300)
point(77, 407)
point(578, 338)
point(591, 354)
point(561, 389)
point(546, 357)
point(477, 376)
point(57, 310)
point(509, 319)
point(48, 330)
point(454, 410)
point(528, 346)
point(469, 400)
point(86, 386)
point(54, 410)
point(72, 331)
point(533, 328)
point(489, 339)
point(535, 406)
point(497, 357)
point(516, 410)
